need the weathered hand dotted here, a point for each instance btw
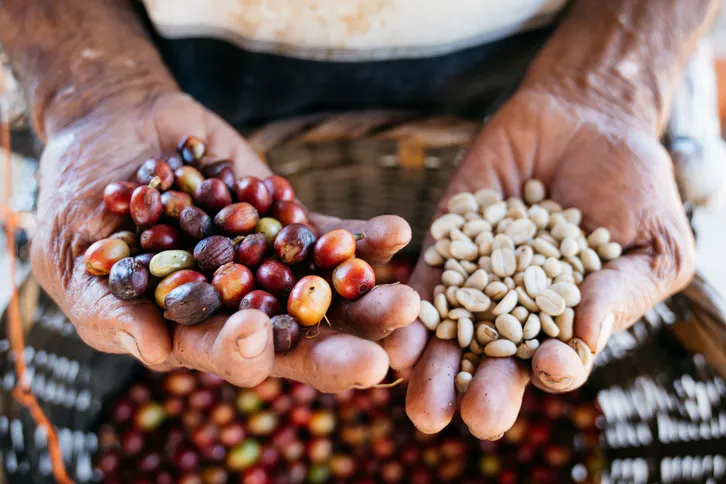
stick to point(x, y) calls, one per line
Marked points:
point(83, 157)
point(621, 178)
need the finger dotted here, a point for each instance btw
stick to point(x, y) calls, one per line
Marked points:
point(557, 368)
point(491, 403)
point(333, 362)
point(112, 325)
point(238, 348)
point(378, 313)
point(405, 345)
point(431, 396)
point(384, 235)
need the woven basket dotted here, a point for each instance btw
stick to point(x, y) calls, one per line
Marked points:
point(665, 409)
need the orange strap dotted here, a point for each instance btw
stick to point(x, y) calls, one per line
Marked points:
point(22, 391)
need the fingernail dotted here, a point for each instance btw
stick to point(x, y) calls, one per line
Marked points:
point(554, 383)
point(496, 437)
point(129, 342)
point(582, 350)
point(252, 345)
point(606, 329)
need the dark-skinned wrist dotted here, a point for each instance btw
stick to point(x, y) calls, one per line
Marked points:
point(621, 60)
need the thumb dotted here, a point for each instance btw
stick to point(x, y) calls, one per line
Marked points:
point(619, 294)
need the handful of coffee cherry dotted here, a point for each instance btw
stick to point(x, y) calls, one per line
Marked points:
point(206, 242)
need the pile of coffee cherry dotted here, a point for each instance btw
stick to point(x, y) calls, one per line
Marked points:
point(193, 428)
point(205, 241)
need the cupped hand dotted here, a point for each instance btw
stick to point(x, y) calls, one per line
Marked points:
point(621, 178)
point(78, 162)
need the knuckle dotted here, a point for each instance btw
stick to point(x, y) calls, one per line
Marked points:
point(672, 254)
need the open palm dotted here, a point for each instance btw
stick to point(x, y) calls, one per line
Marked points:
point(621, 178)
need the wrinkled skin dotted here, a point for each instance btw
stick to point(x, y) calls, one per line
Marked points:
point(81, 158)
point(621, 178)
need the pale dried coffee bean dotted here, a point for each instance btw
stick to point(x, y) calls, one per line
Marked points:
point(500, 348)
point(502, 241)
point(565, 268)
point(531, 327)
point(451, 296)
point(476, 348)
point(452, 278)
point(565, 323)
point(446, 329)
point(482, 236)
point(515, 202)
point(573, 215)
point(439, 289)
point(502, 225)
point(569, 292)
point(467, 366)
point(464, 250)
point(462, 381)
point(507, 303)
point(471, 358)
point(534, 191)
point(590, 260)
point(487, 196)
point(551, 206)
point(549, 327)
point(535, 280)
point(576, 264)
point(432, 257)
point(582, 350)
point(443, 247)
point(539, 216)
point(441, 226)
point(462, 203)
point(476, 226)
point(485, 333)
point(547, 237)
point(526, 349)
point(485, 263)
point(473, 300)
point(521, 230)
point(578, 277)
point(546, 248)
point(549, 302)
point(538, 260)
point(441, 305)
point(561, 230)
point(582, 242)
point(598, 237)
point(458, 313)
point(517, 213)
point(472, 216)
point(524, 256)
point(552, 267)
point(486, 244)
point(524, 300)
point(518, 279)
point(478, 280)
point(610, 251)
point(429, 315)
point(456, 234)
point(496, 290)
point(495, 212)
point(455, 265)
point(564, 278)
point(569, 247)
point(509, 282)
point(503, 262)
point(469, 266)
point(465, 332)
point(521, 313)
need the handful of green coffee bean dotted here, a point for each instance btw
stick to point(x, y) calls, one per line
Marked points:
point(511, 274)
